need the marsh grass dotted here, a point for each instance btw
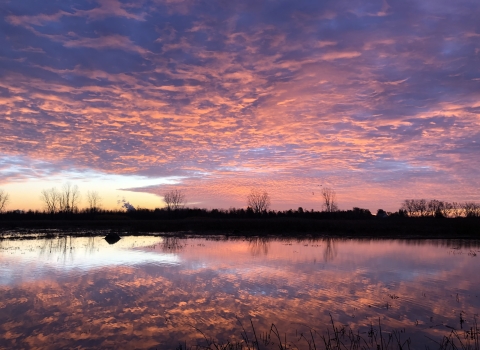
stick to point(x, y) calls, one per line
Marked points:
point(337, 338)
point(462, 340)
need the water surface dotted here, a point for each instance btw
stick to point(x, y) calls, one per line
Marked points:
point(152, 292)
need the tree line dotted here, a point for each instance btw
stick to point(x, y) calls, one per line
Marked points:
point(437, 208)
point(66, 200)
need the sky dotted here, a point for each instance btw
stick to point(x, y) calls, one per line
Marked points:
point(379, 100)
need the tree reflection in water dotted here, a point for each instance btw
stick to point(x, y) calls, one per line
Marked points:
point(258, 246)
point(330, 251)
point(139, 294)
point(172, 245)
point(61, 246)
point(90, 246)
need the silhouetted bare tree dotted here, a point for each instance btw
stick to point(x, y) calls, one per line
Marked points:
point(51, 200)
point(94, 201)
point(174, 199)
point(69, 198)
point(456, 209)
point(424, 208)
point(415, 207)
point(471, 209)
point(447, 209)
point(329, 200)
point(408, 206)
point(258, 200)
point(66, 200)
point(4, 198)
point(435, 208)
point(421, 207)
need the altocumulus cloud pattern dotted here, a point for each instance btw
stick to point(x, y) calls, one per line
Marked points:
point(378, 99)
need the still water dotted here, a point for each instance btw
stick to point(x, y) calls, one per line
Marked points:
point(153, 292)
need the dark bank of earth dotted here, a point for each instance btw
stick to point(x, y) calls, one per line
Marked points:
point(460, 228)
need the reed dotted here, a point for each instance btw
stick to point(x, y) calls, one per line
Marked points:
point(337, 338)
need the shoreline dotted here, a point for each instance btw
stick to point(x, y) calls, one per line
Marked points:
point(411, 228)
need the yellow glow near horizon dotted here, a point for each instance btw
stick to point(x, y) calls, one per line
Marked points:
point(25, 195)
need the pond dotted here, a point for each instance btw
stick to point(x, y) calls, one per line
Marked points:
point(154, 292)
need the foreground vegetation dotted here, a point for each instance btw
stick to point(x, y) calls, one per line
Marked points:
point(356, 222)
point(340, 338)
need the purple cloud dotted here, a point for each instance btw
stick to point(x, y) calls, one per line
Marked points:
point(379, 95)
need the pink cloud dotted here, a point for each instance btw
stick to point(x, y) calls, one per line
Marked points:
point(107, 42)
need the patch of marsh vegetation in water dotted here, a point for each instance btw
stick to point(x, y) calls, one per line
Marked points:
point(341, 337)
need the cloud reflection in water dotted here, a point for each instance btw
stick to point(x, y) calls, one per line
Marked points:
point(148, 302)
